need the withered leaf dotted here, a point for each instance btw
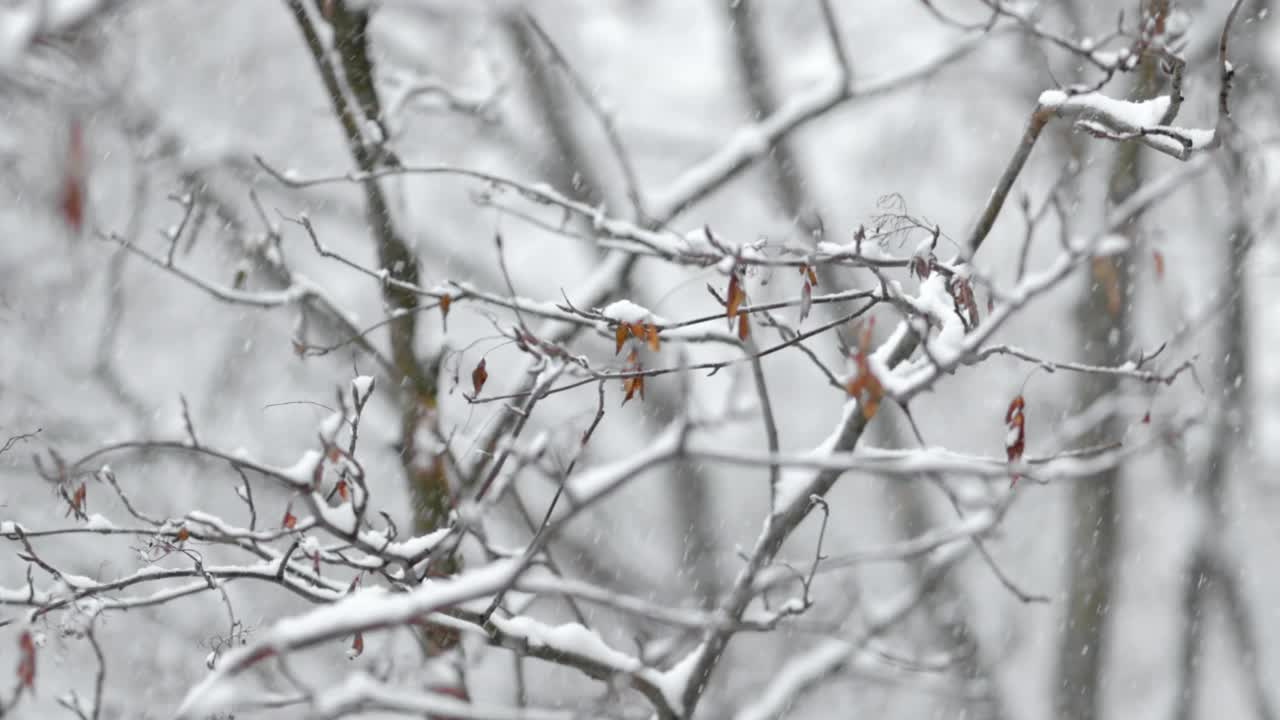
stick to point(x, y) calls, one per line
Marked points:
point(71, 203)
point(1158, 258)
point(478, 378)
point(1015, 432)
point(633, 385)
point(357, 645)
point(445, 302)
point(77, 502)
point(735, 297)
point(864, 339)
point(651, 337)
point(806, 300)
point(865, 386)
point(620, 337)
point(966, 304)
point(27, 661)
point(290, 520)
point(920, 266)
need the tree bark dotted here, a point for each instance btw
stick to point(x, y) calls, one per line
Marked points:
point(1104, 316)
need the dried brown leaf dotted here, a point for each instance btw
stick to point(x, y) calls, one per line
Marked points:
point(1015, 432)
point(651, 337)
point(478, 378)
point(71, 202)
point(734, 298)
point(26, 661)
point(620, 337)
point(633, 385)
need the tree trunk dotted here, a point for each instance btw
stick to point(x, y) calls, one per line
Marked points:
point(1104, 317)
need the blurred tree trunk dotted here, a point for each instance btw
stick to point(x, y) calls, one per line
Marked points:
point(1104, 318)
point(1212, 573)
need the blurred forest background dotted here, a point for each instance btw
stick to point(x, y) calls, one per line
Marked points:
point(1159, 596)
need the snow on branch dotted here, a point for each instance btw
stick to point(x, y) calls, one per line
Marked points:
point(321, 526)
point(366, 609)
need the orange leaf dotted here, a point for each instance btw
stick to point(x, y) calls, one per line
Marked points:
point(182, 535)
point(870, 404)
point(1015, 427)
point(864, 340)
point(813, 276)
point(357, 645)
point(27, 661)
point(865, 386)
point(289, 520)
point(744, 331)
point(632, 385)
point(78, 500)
point(1015, 432)
point(651, 337)
point(445, 302)
point(1015, 409)
point(735, 297)
point(478, 377)
point(620, 336)
point(342, 489)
